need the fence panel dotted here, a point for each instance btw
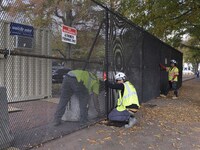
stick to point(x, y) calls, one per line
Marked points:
point(32, 71)
point(165, 60)
point(125, 49)
point(31, 78)
point(151, 69)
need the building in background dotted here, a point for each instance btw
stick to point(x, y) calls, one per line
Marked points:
point(188, 69)
point(25, 78)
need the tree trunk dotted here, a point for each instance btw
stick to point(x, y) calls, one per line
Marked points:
point(196, 65)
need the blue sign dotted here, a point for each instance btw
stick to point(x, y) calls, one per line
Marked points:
point(20, 29)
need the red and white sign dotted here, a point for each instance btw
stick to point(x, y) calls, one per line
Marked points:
point(69, 34)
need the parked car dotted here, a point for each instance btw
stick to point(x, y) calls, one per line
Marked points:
point(57, 75)
point(187, 71)
point(56, 66)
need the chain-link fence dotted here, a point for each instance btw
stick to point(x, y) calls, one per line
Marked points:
point(35, 73)
point(34, 63)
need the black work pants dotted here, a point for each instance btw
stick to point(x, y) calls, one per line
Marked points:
point(71, 86)
point(172, 86)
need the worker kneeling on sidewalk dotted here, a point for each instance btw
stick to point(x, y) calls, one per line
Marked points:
point(127, 103)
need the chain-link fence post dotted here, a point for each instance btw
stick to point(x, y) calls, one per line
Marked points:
point(106, 59)
point(5, 136)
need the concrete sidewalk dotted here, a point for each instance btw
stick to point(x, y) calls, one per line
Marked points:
point(188, 77)
point(163, 124)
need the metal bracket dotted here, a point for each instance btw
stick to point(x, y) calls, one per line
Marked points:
point(6, 53)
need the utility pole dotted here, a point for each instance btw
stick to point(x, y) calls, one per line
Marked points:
point(68, 21)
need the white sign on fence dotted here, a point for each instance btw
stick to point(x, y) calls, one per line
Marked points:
point(69, 34)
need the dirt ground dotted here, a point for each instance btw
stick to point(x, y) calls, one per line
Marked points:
point(163, 124)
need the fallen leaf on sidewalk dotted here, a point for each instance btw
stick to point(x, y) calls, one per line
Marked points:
point(196, 129)
point(102, 142)
point(91, 141)
point(121, 143)
point(107, 138)
point(100, 131)
point(158, 136)
point(83, 148)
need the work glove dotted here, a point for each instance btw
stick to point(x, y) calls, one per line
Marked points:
point(104, 76)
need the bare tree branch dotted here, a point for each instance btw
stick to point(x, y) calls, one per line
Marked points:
point(59, 16)
point(183, 14)
point(64, 56)
point(190, 47)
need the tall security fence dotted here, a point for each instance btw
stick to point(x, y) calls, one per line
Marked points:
point(34, 64)
point(138, 54)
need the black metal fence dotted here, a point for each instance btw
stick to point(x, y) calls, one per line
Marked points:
point(32, 79)
point(137, 53)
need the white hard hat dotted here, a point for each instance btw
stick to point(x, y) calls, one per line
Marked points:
point(173, 61)
point(120, 76)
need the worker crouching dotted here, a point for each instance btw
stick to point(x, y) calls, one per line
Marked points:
point(80, 83)
point(127, 102)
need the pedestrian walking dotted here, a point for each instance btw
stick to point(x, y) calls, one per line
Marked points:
point(197, 73)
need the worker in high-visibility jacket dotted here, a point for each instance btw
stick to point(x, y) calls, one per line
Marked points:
point(82, 84)
point(127, 103)
point(173, 73)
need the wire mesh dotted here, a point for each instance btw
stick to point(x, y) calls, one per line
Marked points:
point(137, 53)
point(33, 69)
point(31, 79)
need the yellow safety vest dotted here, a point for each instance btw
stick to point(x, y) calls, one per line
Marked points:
point(172, 71)
point(129, 97)
point(89, 80)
